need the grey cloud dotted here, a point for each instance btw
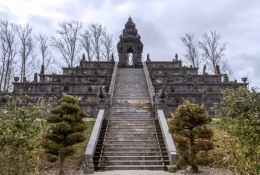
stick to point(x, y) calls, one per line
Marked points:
point(38, 22)
point(162, 23)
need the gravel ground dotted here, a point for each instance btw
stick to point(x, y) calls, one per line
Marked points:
point(204, 171)
point(133, 172)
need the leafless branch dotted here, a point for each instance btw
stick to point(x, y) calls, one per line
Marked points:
point(97, 33)
point(212, 50)
point(66, 41)
point(191, 50)
point(108, 45)
point(26, 49)
point(86, 43)
point(8, 52)
point(45, 53)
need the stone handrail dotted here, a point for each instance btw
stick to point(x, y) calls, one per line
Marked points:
point(149, 83)
point(171, 150)
point(113, 81)
point(90, 150)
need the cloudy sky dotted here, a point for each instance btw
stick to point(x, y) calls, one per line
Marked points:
point(161, 23)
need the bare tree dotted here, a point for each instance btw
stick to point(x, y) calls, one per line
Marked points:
point(67, 40)
point(225, 68)
point(86, 43)
point(108, 46)
point(212, 50)
point(46, 57)
point(8, 52)
point(191, 50)
point(97, 33)
point(25, 50)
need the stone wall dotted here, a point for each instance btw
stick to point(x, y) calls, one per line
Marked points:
point(83, 81)
point(174, 83)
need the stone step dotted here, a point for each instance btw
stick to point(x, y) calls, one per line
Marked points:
point(108, 137)
point(127, 132)
point(129, 138)
point(134, 153)
point(112, 158)
point(131, 146)
point(130, 119)
point(131, 167)
point(131, 141)
point(129, 99)
point(135, 113)
point(142, 148)
point(137, 95)
point(129, 110)
point(132, 134)
point(131, 130)
point(131, 162)
point(127, 106)
point(130, 122)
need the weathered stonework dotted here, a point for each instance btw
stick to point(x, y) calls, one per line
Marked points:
point(84, 81)
point(173, 83)
point(91, 81)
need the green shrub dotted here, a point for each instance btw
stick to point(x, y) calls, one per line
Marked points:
point(191, 135)
point(20, 131)
point(66, 128)
point(240, 119)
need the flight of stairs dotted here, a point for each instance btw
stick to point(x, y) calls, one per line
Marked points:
point(130, 137)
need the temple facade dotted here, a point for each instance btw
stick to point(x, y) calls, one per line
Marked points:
point(171, 82)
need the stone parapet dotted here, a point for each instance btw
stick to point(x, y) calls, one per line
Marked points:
point(171, 149)
point(90, 150)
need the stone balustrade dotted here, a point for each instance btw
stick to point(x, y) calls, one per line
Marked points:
point(167, 137)
point(90, 150)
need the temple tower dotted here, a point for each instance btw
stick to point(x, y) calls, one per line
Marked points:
point(130, 47)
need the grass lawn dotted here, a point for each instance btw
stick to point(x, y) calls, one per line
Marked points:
point(82, 146)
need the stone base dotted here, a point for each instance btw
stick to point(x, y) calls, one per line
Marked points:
point(172, 168)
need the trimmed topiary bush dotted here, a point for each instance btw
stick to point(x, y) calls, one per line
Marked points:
point(191, 135)
point(66, 128)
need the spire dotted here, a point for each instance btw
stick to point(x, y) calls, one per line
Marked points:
point(130, 42)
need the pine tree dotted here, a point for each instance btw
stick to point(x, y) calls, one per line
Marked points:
point(191, 135)
point(66, 128)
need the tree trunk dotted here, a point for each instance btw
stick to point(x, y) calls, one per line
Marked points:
point(61, 167)
point(193, 164)
point(2, 74)
point(6, 75)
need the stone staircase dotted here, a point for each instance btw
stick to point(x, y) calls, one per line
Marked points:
point(131, 138)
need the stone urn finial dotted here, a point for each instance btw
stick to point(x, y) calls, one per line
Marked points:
point(101, 94)
point(244, 79)
point(16, 79)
